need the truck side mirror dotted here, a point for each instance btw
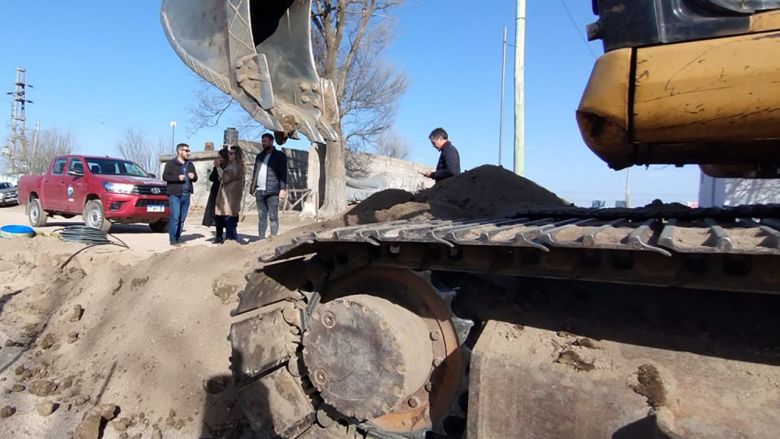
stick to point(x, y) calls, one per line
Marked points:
point(75, 174)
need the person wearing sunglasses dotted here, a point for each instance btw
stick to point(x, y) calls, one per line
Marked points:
point(180, 175)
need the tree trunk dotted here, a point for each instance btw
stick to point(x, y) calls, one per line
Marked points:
point(335, 200)
point(314, 181)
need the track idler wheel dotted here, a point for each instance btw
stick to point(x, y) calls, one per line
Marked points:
point(374, 354)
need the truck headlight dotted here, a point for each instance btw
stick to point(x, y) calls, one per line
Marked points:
point(119, 188)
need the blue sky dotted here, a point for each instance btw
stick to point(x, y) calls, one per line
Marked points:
point(101, 67)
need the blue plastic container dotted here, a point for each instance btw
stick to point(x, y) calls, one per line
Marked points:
point(16, 231)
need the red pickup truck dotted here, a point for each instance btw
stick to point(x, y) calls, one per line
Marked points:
point(102, 190)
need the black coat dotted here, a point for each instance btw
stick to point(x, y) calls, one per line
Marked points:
point(449, 163)
point(208, 214)
point(171, 175)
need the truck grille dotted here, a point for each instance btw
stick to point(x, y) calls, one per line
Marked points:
point(150, 190)
point(144, 203)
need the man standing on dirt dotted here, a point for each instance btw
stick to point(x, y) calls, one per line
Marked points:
point(269, 184)
point(179, 173)
point(449, 159)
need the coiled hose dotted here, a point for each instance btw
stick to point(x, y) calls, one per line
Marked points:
point(89, 236)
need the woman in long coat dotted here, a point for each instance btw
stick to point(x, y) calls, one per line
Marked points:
point(231, 192)
point(209, 216)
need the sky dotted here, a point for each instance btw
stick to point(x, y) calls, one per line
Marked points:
point(99, 68)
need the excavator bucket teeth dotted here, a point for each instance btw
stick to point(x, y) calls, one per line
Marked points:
point(259, 53)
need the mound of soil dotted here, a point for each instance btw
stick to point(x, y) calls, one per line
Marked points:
point(147, 336)
point(367, 211)
point(490, 191)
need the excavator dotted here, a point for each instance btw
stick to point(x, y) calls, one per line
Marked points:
point(554, 322)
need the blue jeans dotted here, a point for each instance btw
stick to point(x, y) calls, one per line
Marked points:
point(179, 205)
point(231, 226)
point(267, 208)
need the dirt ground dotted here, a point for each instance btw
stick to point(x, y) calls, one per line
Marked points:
point(128, 343)
point(142, 329)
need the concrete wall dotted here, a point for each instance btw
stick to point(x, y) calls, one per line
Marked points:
point(366, 174)
point(716, 192)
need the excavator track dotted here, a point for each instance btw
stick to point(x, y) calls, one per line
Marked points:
point(734, 249)
point(327, 337)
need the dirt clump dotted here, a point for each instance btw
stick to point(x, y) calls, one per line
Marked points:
point(490, 191)
point(366, 211)
point(573, 360)
point(42, 388)
point(7, 411)
point(47, 341)
point(650, 385)
point(78, 312)
point(45, 408)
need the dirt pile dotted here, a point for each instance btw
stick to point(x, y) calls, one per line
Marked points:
point(148, 337)
point(489, 191)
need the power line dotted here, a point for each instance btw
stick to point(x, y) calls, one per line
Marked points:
point(577, 27)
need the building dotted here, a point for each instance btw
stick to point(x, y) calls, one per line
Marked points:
point(717, 192)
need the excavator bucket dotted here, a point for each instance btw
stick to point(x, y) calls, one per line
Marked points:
point(258, 52)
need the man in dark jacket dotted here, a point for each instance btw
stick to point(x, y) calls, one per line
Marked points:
point(269, 184)
point(449, 159)
point(180, 174)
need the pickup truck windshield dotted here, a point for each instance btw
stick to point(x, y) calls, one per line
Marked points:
point(5, 186)
point(115, 167)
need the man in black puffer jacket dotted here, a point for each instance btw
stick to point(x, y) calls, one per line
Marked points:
point(269, 184)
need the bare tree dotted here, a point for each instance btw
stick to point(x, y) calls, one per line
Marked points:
point(367, 87)
point(348, 38)
point(136, 147)
point(344, 31)
point(37, 151)
point(390, 144)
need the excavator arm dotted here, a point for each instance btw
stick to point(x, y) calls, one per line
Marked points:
point(260, 54)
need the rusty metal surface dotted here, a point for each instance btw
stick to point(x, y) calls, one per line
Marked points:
point(366, 355)
point(274, 373)
point(262, 290)
point(277, 406)
point(433, 400)
point(254, 351)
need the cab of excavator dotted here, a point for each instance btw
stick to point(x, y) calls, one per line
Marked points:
point(636, 23)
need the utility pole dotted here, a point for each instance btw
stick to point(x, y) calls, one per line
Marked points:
point(35, 139)
point(501, 111)
point(173, 136)
point(520, 89)
point(628, 187)
point(18, 138)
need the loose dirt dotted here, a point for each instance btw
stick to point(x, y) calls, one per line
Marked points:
point(490, 191)
point(144, 330)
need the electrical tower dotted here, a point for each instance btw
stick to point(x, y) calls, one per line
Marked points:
point(18, 139)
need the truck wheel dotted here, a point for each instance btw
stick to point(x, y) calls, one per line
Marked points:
point(35, 213)
point(160, 226)
point(94, 217)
